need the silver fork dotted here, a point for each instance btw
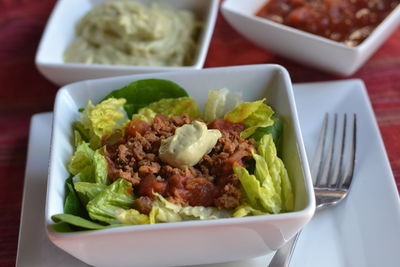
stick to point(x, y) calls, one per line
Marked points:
point(332, 172)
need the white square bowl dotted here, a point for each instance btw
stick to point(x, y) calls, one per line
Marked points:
point(60, 32)
point(189, 242)
point(306, 48)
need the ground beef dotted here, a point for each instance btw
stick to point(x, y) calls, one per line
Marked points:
point(143, 204)
point(210, 183)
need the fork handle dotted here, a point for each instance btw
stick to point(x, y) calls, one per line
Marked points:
point(284, 254)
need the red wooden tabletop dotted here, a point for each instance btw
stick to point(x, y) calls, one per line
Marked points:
point(24, 92)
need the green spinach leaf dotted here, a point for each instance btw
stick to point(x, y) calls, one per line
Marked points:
point(72, 204)
point(275, 130)
point(140, 93)
point(79, 221)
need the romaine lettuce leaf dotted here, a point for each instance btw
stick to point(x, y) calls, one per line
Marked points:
point(204, 213)
point(145, 114)
point(117, 195)
point(243, 111)
point(165, 211)
point(262, 174)
point(266, 148)
point(88, 166)
point(176, 106)
point(82, 159)
point(258, 196)
point(219, 102)
point(86, 175)
point(253, 115)
point(169, 107)
point(77, 139)
point(87, 191)
point(162, 214)
point(247, 210)
point(103, 118)
point(100, 168)
point(269, 188)
point(287, 190)
point(262, 117)
point(131, 216)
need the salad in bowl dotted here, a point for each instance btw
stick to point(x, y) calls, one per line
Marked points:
point(147, 154)
point(135, 178)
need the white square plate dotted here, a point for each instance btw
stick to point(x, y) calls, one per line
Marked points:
point(362, 231)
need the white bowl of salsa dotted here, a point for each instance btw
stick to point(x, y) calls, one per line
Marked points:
point(332, 36)
point(96, 58)
point(183, 242)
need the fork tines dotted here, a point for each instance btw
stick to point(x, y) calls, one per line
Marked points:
point(333, 165)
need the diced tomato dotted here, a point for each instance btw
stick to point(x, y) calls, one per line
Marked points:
point(150, 184)
point(201, 192)
point(225, 125)
point(137, 126)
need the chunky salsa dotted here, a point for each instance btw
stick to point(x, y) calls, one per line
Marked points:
point(346, 21)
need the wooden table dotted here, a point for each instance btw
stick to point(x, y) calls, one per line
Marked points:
point(24, 92)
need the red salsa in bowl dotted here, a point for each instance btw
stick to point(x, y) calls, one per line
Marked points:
point(346, 21)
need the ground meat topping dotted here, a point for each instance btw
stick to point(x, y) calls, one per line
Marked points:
point(211, 182)
point(143, 204)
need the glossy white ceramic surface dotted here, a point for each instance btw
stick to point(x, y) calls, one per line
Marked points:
point(60, 32)
point(352, 234)
point(306, 48)
point(191, 242)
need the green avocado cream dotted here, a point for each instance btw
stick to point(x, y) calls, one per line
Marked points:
point(188, 145)
point(128, 33)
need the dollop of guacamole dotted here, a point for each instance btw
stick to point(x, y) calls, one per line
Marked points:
point(128, 33)
point(188, 145)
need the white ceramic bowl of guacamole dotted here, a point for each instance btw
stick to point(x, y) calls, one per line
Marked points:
point(135, 41)
point(184, 242)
